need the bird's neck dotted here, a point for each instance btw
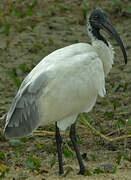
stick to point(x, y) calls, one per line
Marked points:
point(106, 54)
point(102, 47)
point(94, 34)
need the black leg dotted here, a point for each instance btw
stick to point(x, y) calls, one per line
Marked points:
point(58, 143)
point(73, 139)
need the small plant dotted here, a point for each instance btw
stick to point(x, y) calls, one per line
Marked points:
point(69, 143)
point(33, 2)
point(3, 170)
point(33, 163)
point(3, 155)
point(40, 146)
point(93, 156)
point(114, 169)
point(16, 144)
point(76, 41)
point(52, 148)
point(6, 29)
point(29, 10)
point(14, 77)
point(126, 157)
point(17, 155)
point(97, 171)
point(87, 173)
point(53, 161)
point(15, 12)
point(23, 67)
point(123, 6)
point(116, 104)
point(120, 123)
point(67, 153)
point(84, 9)
point(1, 23)
point(56, 1)
point(2, 138)
point(127, 9)
point(118, 159)
point(116, 3)
point(109, 114)
point(24, 139)
point(36, 47)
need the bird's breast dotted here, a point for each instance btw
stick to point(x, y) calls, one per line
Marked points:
point(70, 93)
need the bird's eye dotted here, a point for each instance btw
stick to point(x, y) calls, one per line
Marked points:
point(96, 16)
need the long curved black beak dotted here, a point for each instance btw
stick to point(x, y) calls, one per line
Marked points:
point(111, 30)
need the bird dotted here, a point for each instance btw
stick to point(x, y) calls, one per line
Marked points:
point(64, 84)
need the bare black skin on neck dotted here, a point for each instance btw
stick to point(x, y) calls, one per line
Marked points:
point(96, 33)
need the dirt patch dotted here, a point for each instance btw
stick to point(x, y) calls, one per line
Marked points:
point(30, 30)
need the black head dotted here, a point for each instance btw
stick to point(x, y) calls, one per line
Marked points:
point(98, 19)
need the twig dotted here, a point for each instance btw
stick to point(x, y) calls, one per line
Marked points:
point(42, 133)
point(100, 134)
point(3, 117)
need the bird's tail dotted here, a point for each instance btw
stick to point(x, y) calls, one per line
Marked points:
point(22, 122)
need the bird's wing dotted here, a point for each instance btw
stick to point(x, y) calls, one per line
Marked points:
point(75, 90)
point(23, 115)
point(98, 76)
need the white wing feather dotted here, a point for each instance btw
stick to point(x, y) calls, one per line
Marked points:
point(62, 85)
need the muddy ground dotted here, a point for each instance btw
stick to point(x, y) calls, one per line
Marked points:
point(31, 29)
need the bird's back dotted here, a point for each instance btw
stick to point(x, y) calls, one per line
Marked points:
point(58, 87)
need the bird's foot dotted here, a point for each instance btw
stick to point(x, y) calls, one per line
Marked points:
point(82, 171)
point(61, 171)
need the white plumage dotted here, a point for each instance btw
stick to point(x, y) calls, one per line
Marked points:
point(64, 84)
point(77, 77)
point(69, 81)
